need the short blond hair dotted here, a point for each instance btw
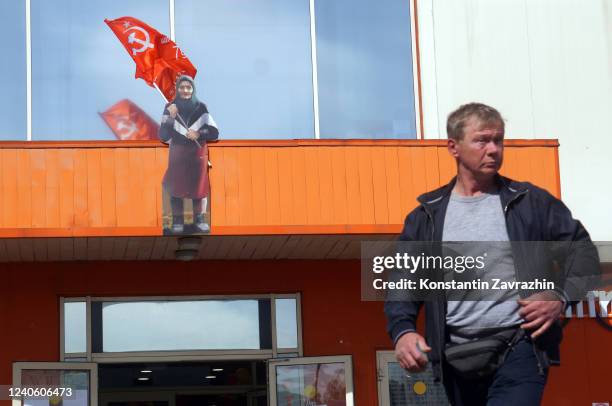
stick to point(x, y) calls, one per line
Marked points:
point(457, 119)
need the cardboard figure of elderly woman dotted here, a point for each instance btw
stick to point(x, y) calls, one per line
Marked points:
point(187, 126)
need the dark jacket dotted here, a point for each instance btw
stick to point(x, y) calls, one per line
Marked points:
point(532, 214)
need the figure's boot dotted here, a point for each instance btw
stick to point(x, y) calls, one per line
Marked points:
point(177, 215)
point(199, 208)
point(201, 225)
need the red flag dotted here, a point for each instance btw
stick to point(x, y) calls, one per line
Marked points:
point(158, 60)
point(130, 122)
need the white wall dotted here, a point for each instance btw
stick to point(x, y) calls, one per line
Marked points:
point(547, 66)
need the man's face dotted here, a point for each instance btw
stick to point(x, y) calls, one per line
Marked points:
point(481, 151)
point(185, 90)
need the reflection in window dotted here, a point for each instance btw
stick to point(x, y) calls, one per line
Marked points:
point(180, 325)
point(80, 69)
point(416, 388)
point(13, 70)
point(77, 381)
point(316, 384)
point(253, 59)
point(365, 69)
point(75, 327)
point(286, 323)
point(254, 64)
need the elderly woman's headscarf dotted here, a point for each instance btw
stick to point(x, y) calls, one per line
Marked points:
point(185, 106)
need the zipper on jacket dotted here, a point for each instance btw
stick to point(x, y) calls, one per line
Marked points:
point(433, 226)
point(517, 272)
point(524, 192)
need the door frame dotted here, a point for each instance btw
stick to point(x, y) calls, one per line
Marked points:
point(92, 368)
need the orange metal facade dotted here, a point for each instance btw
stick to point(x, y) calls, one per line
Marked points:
point(258, 187)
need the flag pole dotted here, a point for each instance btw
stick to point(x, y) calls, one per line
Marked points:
point(177, 114)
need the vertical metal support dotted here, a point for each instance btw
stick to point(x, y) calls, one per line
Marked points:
point(273, 325)
point(298, 309)
point(62, 330)
point(172, 33)
point(88, 328)
point(416, 71)
point(28, 71)
point(315, 82)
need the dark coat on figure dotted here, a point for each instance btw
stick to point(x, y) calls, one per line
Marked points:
point(187, 173)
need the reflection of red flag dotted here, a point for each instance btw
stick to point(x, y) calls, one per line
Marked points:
point(158, 60)
point(130, 122)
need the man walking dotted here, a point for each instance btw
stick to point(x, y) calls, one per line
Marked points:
point(480, 205)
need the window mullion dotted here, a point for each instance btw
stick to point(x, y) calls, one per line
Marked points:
point(28, 71)
point(315, 83)
point(171, 9)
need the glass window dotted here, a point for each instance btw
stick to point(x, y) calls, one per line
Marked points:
point(13, 70)
point(78, 381)
point(365, 75)
point(80, 69)
point(304, 381)
point(416, 388)
point(75, 327)
point(286, 323)
point(177, 325)
point(254, 64)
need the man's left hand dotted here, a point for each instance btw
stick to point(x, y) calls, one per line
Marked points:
point(540, 310)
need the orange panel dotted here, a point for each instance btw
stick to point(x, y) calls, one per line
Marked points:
point(24, 189)
point(432, 168)
point(298, 182)
point(9, 188)
point(338, 175)
point(108, 187)
point(258, 190)
point(407, 195)
point(352, 186)
point(417, 173)
point(123, 205)
point(245, 186)
point(151, 189)
point(217, 187)
point(285, 184)
point(326, 188)
point(81, 214)
point(52, 188)
point(552, 176)
point(379, 181)
point(39, 189)
point(366, 186)
point(94, 187)
point(313, 194)
point(137, 196)
point(66, 187)
point(86, 188)
point(232, 192)
point(396, 211)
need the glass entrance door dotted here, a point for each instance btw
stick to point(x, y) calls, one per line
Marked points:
point(56, 383)
point(398, 387)
point(311, 381)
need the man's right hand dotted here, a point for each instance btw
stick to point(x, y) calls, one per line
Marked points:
point(173, 110)
point(409, 351)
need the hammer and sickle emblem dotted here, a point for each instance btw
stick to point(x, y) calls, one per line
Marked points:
point(126, 124)
point(146, 43)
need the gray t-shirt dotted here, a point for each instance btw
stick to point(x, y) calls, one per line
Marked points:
point(481, 218)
